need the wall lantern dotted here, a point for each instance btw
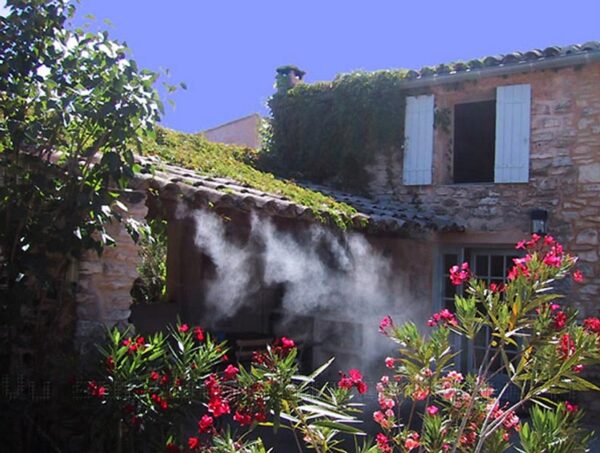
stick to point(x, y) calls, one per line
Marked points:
point(539, 221)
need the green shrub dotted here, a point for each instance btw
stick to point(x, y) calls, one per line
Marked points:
point(151, 285)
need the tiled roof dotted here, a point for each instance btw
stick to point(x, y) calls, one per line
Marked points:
point(380, 211)
point(226, 193)
point(513, 59)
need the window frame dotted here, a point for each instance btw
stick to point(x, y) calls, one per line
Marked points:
point(465, 252)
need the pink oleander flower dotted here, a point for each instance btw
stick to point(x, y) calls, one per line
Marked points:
point(519, 268)
point(96, 390)
point(386, 324)
point(511, 421)
point(432, 410)
point(577, 368)
point(560, 320)
point(566, 346)
point(486, 392)
point(448, 394)
point(443, 318)
point(382, 419)
point(455, 376)
point(193, 443)
point(230, 372)
point(218, 406)
point(198, 333)
point(242, 418)
point(383, 443)
point(287, 343)
point(386, 403)
point(389, 362)
point(378, 416)
point(552, 260)
point(578, 276)
point(354, 379)
point(497, 287)
point(528, 245)
point(592, 325)
point(420, 394)
point(571, 407)
point(205, 424)
point(362, 387)
point(412, 441)
point(458, 275)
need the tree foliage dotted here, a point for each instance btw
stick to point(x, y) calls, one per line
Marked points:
point(72, 107)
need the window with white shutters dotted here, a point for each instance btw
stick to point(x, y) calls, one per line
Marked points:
point(418, 141)
point(491, 138)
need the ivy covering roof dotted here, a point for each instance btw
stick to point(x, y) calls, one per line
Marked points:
point(217, 160)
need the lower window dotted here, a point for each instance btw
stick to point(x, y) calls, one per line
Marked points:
point(489, 265)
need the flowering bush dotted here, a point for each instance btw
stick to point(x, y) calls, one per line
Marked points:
point(154, 387)
point(534, 342)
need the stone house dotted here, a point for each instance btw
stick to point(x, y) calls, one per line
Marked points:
point(493, 149)
point(497, 145)
point(503, 146)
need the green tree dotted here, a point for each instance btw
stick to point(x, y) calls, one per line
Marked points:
point(73, 106)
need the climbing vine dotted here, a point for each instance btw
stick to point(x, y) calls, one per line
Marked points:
point(332, 131)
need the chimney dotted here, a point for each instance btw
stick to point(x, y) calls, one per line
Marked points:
point(288, 77)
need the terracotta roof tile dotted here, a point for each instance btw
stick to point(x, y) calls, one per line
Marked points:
point(513, 58)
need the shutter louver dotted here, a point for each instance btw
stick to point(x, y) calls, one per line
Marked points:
point(418, 140)
point(513, 110)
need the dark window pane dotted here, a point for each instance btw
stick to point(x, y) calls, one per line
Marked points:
point(449, 304)
point(474, 141)
point(450, 260)
point(481, 266)
point(449, 288)
point(497, 269)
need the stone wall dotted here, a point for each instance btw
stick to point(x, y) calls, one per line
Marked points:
point(105, 282)
point(564, 171)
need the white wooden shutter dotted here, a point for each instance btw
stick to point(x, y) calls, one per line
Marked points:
point(513, 107)
point(418, 140)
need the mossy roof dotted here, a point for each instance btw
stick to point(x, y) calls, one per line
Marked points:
point(217, 160)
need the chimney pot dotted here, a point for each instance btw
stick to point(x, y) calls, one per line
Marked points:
point(288, 77)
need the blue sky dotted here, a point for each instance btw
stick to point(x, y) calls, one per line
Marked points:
point(226, 51)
